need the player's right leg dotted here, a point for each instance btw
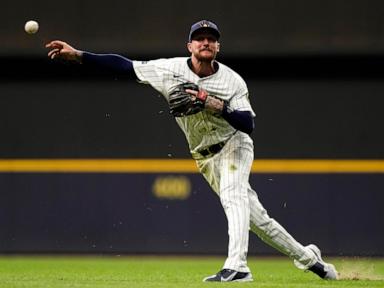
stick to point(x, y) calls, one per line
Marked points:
point(271, 232)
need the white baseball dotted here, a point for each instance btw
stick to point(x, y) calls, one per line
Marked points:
point(31, 27)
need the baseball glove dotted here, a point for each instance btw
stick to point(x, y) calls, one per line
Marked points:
point(182, 103)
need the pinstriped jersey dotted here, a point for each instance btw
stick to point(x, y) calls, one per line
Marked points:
point(204, 128)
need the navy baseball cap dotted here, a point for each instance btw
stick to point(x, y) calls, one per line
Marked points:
point(204, 24)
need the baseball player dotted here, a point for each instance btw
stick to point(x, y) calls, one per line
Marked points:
point(210, 104)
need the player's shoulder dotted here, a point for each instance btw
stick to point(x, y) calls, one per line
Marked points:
point(227, 70)
point(173, 61)
point(176, 62)
point(178, 59)
point(163, 62)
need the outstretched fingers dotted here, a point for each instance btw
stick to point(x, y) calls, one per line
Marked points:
point(53, 53)
point(56, 44)
point(62, 49)
point(55, 47)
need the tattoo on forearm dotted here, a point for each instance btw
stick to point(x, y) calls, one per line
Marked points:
point(214, 105)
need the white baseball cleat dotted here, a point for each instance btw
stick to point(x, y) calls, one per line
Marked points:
point(324, 270)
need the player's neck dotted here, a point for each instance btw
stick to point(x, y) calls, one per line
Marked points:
point(202, 68)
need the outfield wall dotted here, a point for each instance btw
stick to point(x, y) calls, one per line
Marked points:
point(177, 212)
point(52, 113)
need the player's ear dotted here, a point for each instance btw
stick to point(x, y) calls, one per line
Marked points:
point(189, 47)
point(218, 46)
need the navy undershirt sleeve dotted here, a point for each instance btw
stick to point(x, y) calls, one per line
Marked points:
point(240, 120)
point(110, 63)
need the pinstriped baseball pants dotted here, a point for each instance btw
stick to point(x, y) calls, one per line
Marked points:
point(227, 173)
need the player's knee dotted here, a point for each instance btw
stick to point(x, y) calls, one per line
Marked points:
point(233, 195)
point(261, 219)
point(234, 189)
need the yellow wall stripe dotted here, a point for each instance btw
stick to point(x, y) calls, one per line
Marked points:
point(318, 166)
point(185, 166)
point(99, 165)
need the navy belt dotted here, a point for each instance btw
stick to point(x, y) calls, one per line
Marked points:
point(213, 149)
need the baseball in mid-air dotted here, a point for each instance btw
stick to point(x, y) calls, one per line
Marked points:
point(31, 27)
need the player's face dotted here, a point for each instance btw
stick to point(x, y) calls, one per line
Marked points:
point(204, 46)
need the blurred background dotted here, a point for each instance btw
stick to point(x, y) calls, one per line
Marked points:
point(315, 73)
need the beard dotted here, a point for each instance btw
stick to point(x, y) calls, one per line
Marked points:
point(202, 56)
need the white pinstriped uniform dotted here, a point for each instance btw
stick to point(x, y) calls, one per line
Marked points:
point(228, 171)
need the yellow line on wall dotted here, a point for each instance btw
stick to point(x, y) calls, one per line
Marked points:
point(99, 165)
point(318, 166)
point(184, 166)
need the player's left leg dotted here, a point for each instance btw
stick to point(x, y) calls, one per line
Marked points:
point(229, 178)
point(234, 174)
point(234, 199)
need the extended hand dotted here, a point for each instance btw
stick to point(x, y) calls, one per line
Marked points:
point(63, 50)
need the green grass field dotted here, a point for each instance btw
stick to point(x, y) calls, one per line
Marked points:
point(116, 272)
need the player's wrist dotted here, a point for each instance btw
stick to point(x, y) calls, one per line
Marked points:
point(78, 56)
point(214, 104)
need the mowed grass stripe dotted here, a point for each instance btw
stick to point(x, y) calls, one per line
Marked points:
point(172, 272)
